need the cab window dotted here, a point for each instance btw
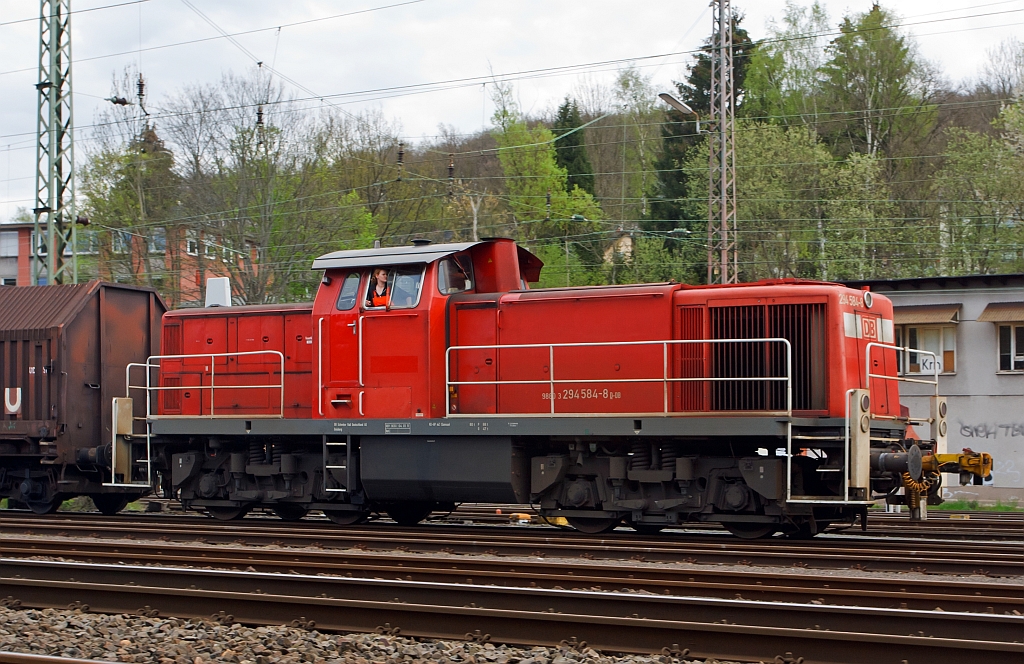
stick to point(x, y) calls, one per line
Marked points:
point(404, 286)
point(455, 275)
point(349, 292)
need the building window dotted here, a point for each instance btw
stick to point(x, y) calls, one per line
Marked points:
point(88, 242)
point(192, 243)
point(1011, 347)
point(8, 244)
point(120, 242)
point(940, 340)
point(7, 281)
point(157, 241)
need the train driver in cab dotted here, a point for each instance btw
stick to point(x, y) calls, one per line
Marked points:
point(378, 293)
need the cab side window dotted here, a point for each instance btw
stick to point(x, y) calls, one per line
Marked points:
point(454, 275)
point(405, 284)
point(349, 292)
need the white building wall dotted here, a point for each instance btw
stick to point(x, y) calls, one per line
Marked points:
point(986, 408)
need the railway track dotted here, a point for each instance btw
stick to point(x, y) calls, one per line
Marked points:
point(615, 621)
point(994, 558)
point(886, 592)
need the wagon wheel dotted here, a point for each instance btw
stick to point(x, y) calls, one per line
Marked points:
point(346, 517)
point(289, 511)
point(409, 514)
point(747, 530)
point(44, 506)
point(227, 513)
point(110, 504)
point(593, 525)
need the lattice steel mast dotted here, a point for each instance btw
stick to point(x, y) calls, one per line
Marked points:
point(723, 264)
point(55, 155)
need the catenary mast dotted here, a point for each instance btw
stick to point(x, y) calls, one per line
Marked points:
point(55, 236)
point(722, 256)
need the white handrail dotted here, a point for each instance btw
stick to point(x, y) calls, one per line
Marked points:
point(149, 365)
point(665, 379)
point(320, 365)
point(867, 366)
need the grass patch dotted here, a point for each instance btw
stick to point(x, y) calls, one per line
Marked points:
point(78, 504)
point(975, 506)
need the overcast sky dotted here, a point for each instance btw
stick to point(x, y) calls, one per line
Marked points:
point(414, 42)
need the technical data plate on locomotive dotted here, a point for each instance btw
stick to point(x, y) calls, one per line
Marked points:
point(398, 428)
point(341, 426)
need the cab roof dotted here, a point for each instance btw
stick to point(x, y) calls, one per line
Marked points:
point(426, 253)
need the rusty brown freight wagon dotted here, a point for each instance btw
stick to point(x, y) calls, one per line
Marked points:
point(63, 352)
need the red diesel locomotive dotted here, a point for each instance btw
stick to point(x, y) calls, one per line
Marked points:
point(429, 375)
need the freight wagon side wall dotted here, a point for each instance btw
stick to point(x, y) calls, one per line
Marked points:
point(116, 327)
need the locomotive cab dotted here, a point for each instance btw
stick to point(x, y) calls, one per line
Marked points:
point(375, 359)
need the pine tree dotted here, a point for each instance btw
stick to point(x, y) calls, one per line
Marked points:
point(679, 133)
point(570, 152)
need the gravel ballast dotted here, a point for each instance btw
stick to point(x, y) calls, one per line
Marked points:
point(128, 638)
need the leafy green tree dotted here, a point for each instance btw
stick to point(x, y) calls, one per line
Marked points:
point(800, 213)
point(981, 186)
point(881, 93)
point(570, 151)
point(541, 206)
point(784, 79)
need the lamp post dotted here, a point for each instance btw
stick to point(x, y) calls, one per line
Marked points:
point(679, 106)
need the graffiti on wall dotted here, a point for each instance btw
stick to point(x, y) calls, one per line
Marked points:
point(1004, 471)
point(991, 431)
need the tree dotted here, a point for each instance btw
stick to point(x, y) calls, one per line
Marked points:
point(981, 230)
point(129, 189)
point(783, 81)
point(570, 151)
point(801, 213)
point(673, 205)
point(541, 206)
point(879, 91)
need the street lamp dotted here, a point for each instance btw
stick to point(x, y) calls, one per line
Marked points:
point(679, 106)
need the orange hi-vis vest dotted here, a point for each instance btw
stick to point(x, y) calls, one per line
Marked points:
point(379, 300)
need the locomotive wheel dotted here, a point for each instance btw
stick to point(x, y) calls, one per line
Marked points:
point(409, 514)
point(289, 512)
point(746, 530)
point(45, 506)
point(346, 517)
point(593, 525)
point(226, 513)
point(109, 504)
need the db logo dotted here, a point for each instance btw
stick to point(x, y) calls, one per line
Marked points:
point(869, 328)
point(12, 401)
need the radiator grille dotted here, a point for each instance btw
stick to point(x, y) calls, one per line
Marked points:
point(803, 325)
point(691, 361)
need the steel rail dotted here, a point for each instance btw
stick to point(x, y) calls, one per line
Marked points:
point(850, 591)
point(626, 622)
point(891, 554)
point(8, 657)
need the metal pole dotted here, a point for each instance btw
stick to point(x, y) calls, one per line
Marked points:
point(55, 159)
point(722, 257)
